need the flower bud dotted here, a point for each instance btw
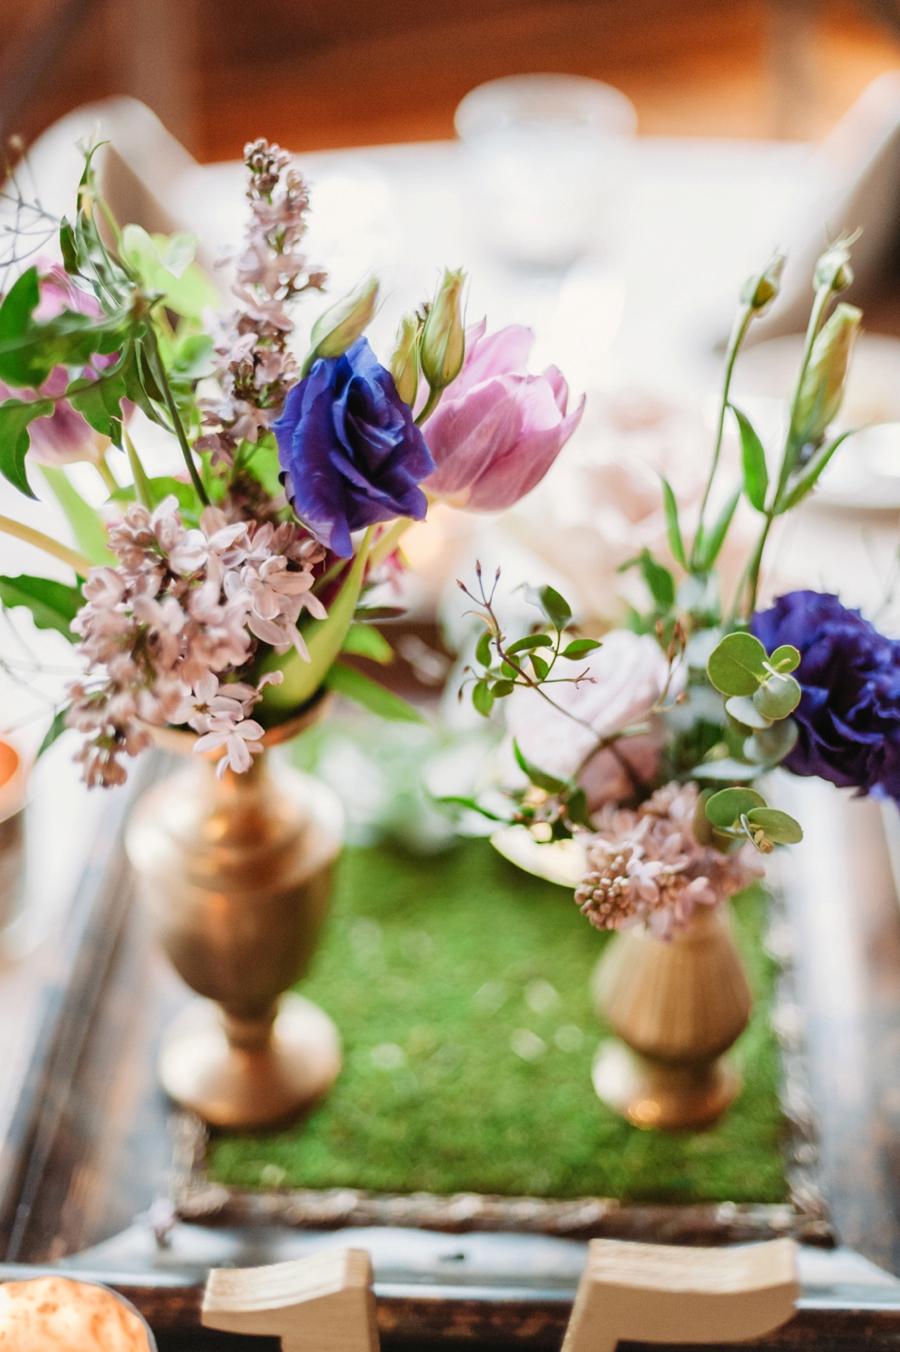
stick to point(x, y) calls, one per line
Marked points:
point(338, 328)
point(822, 389)
point(443, 338)
point(762, 288)
point(833, 268)
point(405, 361)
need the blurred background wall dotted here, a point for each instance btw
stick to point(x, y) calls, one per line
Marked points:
point(316, 74)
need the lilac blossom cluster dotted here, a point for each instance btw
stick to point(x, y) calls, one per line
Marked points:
point(645, 867)
point(175, 621)
point(254, 367)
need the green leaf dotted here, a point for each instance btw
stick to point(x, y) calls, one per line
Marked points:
point(786, 658)
point(577, 808)
point(87, 524)
point(15, 415)
point(53, 605)
point(659, 580)
point(771, 745)
point(367, 641)
point(736, 664)
point(67, 246)
point(15, 321)
point(164, 264)
point(554, 606)
point(756, 473)
point(806, 481)
point(579, 646)
point(712, 543)
point(56, 729)
point(522, 645)
point(745, 712)
point(471, 804)
point(483, 649)
point(164, 486)
point(372, 696)
point(100, 402)
point(537, 776)
point(263, 463)
point(728, 805)
point(483, 698)
point(503, 688)
point(670, 507)
point(777, 826)
point(777, 697)
point(541, 668)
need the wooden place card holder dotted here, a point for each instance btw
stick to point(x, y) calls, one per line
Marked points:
point(324, 1303)
point(648, 1293)
point(655, 1293)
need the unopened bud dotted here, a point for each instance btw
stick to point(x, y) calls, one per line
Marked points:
point(443, 338)
point(405, 361)
point(822, 389)
point(833, 268)
point(761, 289)
point(338, 328)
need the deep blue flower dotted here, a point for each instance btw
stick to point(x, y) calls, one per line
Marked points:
point(351, 453)
point(849, 713)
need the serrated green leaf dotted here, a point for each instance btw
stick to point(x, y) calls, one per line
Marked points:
point(756, 473)
point(483, 649)
point(522, 645)
point(15, 321)
point(15, 415)
point(53, 605)
point(554, 606)
point(87, 524)
point(538, 777)
point(354, 685)
point(673, 528)
point(367, 641)
point(736, 664)
point(482, 698)
point(786, 658)
point(778, 827)
point(728, 805)
point(745, 712)
point(777, 697)
point(579, 646)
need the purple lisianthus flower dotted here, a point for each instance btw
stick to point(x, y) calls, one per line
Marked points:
point(849, 713)
point(350, 450)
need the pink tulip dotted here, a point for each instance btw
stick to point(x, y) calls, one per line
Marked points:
point(63, 436)
point(497, 430)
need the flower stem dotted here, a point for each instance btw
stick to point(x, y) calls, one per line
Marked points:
point(431, 403)
point(389, 541)
point(741, 324)
point(37, 538)
point(141, 482)
point(163, 382)
point(107, 475)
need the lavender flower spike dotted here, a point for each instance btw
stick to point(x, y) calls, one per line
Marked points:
point(349, 448)
point(497, 429)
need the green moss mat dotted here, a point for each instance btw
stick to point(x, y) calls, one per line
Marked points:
point(461, 989)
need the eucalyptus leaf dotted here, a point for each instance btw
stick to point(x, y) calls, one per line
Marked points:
point(736, 665)
point(777, 826)
point(777, 697)
point(786, 658)
point(745, 712)
point(769, 746)
point(728, 805)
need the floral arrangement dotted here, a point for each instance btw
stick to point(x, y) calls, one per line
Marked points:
point(652, 752)
point(220, 600)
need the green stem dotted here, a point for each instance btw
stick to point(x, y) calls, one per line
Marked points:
point(37, 538)
point(389, 541)
point(141, 482)
point(738, 332)
point(431, 403)
point(107, 475)
point(163, 381)
point(823, 296)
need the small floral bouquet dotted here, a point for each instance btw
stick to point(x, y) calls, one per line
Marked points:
point(651, 753)
point(219, 600)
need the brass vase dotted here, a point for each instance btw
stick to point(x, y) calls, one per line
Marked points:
point(676, 1005)
point(236, 873)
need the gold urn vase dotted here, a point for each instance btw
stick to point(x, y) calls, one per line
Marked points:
point(676, 1005)
point(236, 873)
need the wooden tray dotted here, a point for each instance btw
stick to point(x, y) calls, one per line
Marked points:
point(94, 1143)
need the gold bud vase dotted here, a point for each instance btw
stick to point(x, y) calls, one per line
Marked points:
point(676, 1005)
point(236, 874)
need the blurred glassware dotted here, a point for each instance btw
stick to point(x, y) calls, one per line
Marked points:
point(546, 158)
point(12, 834)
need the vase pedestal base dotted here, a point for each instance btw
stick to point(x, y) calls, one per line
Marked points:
point(250, 1073)
point(667, 1096)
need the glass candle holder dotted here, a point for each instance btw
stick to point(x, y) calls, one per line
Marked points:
point(546, 163)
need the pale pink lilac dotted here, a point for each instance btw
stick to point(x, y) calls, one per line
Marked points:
point(253, 365)
point(646, 867)
point(497, 430)
point(180, 613)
